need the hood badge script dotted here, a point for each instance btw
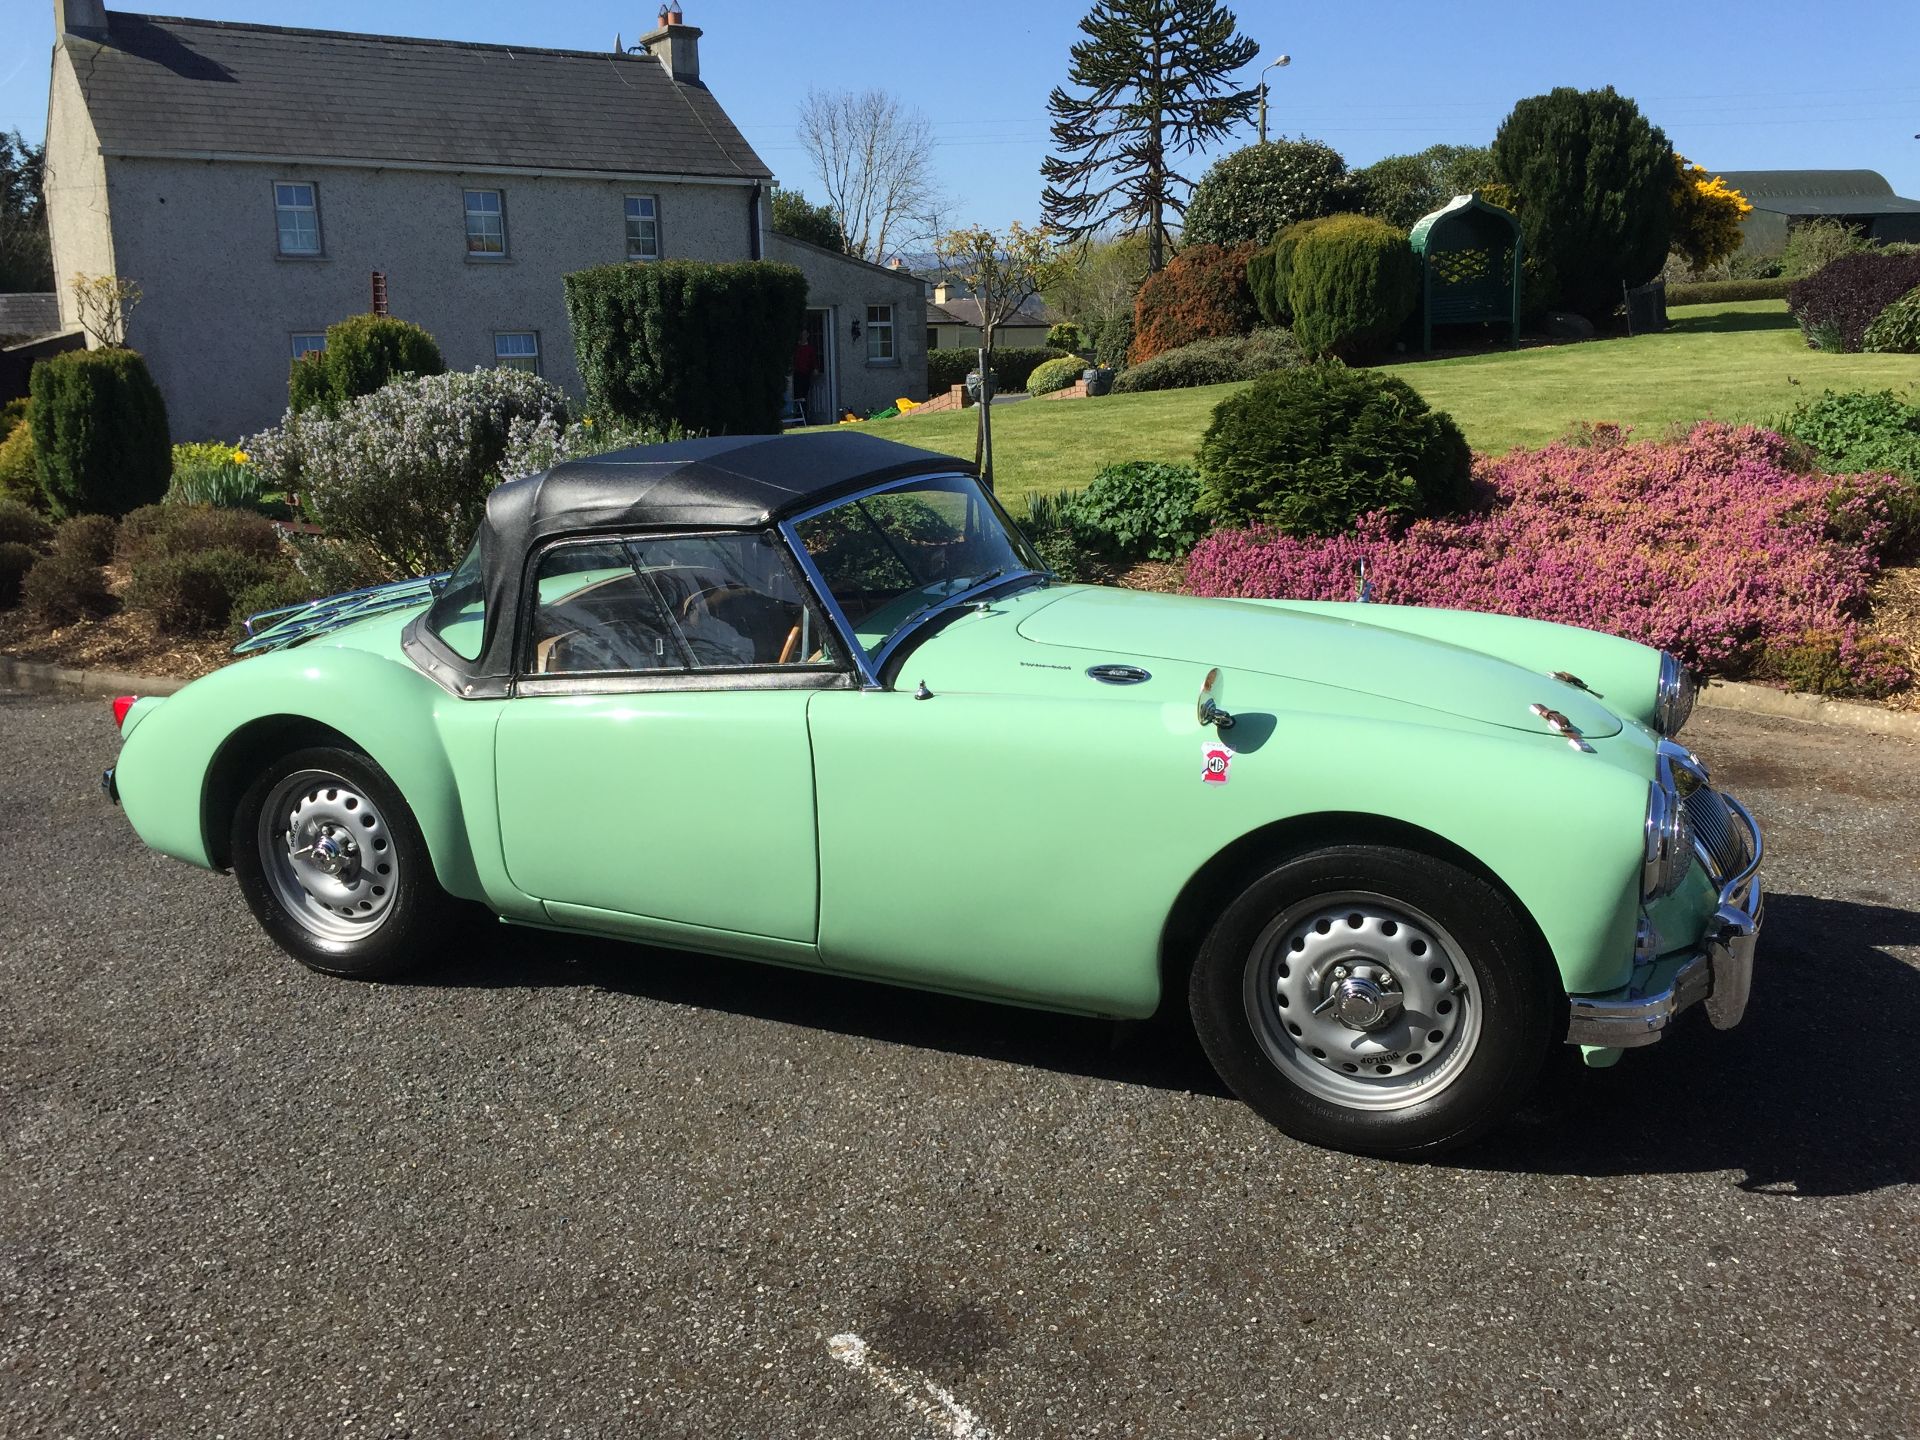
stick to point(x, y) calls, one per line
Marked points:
point(1118, 674)
point(1562, 726)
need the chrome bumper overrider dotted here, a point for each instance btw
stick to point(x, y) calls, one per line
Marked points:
point(1719, 972)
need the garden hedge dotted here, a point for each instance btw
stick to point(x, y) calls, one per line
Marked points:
point(1715, 292)
point(688, 346)
point(99, 433)
point(1837, 303)
point(1011, 367)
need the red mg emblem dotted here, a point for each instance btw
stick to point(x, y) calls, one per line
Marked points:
point(1218, 759)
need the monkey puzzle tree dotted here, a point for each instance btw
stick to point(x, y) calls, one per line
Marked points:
point(1155, 83)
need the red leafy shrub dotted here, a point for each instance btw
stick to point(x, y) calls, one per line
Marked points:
point(1837, 303)
point(1202, 293)
point(1714, 547)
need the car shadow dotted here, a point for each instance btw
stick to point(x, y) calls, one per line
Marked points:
point(1816, 1092)
point(1809, 1095)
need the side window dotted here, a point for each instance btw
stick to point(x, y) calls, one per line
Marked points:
point(673, 604)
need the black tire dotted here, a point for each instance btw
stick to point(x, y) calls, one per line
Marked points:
point(415, 915)
point(1500, 970)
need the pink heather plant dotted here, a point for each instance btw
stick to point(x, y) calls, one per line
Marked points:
point(1714, 546)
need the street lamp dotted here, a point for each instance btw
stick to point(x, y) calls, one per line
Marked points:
point(1280, 64)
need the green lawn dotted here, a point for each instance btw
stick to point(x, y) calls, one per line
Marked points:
point(1740, 361)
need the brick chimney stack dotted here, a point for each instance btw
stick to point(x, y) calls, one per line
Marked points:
point(675, 45)
point(79, 17)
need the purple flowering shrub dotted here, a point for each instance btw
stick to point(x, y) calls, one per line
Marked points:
point(1721, 547)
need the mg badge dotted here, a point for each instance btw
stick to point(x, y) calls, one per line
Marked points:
point(1218, 761)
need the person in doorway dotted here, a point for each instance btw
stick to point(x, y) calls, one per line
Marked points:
point(806, 364)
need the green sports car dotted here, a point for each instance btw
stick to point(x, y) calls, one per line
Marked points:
point(814, 700)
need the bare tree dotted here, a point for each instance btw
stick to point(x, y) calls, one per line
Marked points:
point(105, 302)
point(874, 157)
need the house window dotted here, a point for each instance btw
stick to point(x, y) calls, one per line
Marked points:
point(517, 350)
point(486, 223)
point(305, 342)
point(643, 227)
point(296, 210)
point(880, 334)
point(933, 338)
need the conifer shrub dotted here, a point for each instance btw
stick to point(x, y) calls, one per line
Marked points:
point(363, 353)
point(1202, 293)
point(99, 433)
point(1354, 283)
point(1309, 451)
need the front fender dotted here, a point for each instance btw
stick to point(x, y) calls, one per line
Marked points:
point(406, 724)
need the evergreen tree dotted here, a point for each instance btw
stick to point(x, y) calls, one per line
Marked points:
point(795, 215)
point(1156, 77)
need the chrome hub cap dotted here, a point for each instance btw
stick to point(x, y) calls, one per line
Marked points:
point(1363, 1001)
point(328, 856)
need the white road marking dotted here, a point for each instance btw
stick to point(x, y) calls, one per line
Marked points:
point(933, 1403)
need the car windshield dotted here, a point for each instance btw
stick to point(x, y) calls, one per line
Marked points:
point(459, 611)
point(891, 558)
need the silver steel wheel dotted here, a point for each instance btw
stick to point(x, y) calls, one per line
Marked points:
point(328, 856)
point(1363, 1001)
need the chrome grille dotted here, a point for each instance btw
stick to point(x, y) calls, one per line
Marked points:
point(1717, 835)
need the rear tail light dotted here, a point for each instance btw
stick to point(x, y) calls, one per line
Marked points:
point(121, 705)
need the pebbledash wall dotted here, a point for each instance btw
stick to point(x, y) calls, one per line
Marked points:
point(218, 333)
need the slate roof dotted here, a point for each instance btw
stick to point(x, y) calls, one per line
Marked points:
point(29, 314)
point(966, 311)
point(158, 85)
point(1820, 192)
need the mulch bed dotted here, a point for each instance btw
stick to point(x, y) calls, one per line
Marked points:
point(1896, 617)
point(121, 641)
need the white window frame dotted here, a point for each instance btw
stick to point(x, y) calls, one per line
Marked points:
point(283, 208)
point(636, 251)
point(879, 329)
point(506, 360)
point(498, 215)
point(297, 352)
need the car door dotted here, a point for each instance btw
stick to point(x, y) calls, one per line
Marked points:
point(654, 761)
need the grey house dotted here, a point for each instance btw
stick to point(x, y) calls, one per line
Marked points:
point(260, 183)
point(1784, 198)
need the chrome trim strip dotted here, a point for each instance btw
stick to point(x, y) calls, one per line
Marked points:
point(1720, 972)
point(871, 666)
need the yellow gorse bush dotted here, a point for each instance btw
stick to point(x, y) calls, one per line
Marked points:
point(1706, 215)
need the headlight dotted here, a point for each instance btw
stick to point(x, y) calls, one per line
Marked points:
point(1669, 855)
point(1673, 699)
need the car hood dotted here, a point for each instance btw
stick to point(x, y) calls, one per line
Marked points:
point(1132, 625)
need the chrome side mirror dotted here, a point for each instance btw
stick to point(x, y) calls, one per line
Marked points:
point(1208, 711)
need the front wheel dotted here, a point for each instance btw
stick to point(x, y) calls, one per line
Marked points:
point(1376, 1000)
point(333, 866)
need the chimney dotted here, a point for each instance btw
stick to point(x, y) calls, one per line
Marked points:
point(675, 45)
point(79, 17)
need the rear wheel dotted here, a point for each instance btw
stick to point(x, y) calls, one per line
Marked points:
point(333, 866)
point(1376, 1000)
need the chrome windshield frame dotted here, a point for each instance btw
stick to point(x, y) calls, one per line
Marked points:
point(871, 667)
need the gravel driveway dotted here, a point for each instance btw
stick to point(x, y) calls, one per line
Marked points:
point(582, 1189)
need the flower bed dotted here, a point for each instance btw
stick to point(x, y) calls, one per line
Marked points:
point(1718, 547)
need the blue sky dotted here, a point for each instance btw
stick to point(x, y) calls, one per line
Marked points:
point(1757, 85)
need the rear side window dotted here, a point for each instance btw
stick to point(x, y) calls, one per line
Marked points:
point(674, 603)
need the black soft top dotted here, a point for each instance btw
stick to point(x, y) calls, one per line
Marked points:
point(738, 482)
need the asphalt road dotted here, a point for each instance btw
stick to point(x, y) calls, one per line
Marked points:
point(580, 1189)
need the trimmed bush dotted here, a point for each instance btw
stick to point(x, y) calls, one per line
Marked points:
point(1202, 293)
point(687, 346)
point(1355, 282)
point(1139, 510)
point(1066, 337)
point(1837, 303)
point(291, 588)
point(87, 537)
point(19, 472)
point(404, 473)
point(948, 368)
point(196, 591)
point(1715, 292)
point(21, 526)
point(99, 433)
point(1593, 179)
point(157, 530)
point(64, 588)
point(363, 353)
point(1213, 362)
point(1897, 329)
point(1270, 270)
point(1720, 547)
point(1309, 451)
point(1055, 375)
point(1248, 197)
point(1013, 367)
point(15, 561)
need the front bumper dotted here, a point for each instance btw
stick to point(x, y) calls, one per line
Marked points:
point(1719, 971)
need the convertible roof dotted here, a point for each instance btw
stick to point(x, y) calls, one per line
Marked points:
point(740, 481)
